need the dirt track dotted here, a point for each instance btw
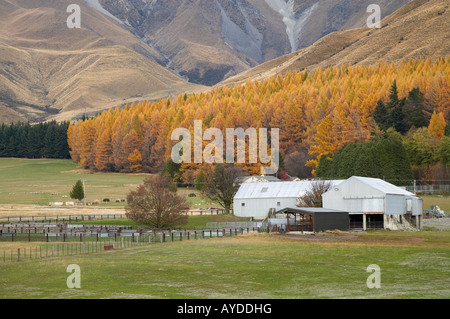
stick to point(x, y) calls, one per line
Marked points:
point(11, 210)
point(439, 223)
point(31, 210)
point(327, 236)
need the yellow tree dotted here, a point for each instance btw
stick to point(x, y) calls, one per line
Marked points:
point(135, 161)
point(436, 127)
point(103, 151)
point(324, 142)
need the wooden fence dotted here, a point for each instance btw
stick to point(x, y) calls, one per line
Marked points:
point(85, 217)
point(86, 245)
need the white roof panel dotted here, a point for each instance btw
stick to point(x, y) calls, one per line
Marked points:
point(383, 186)
point(275, 189)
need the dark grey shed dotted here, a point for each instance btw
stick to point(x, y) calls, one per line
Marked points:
point(316, 219)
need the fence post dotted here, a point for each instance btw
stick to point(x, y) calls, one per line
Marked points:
point(18, 254)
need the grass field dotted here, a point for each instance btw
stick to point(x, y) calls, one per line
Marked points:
point(269, 266)
point(413, 265)
point(39, 182)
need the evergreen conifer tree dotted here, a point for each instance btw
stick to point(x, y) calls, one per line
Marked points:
point(77, 191)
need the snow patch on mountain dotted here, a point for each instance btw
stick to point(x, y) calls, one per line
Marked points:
point(248, 41)
point(97, 6)
point(294, 24)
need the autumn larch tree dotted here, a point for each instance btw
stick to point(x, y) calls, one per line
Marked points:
point(436, 126)
point(156, 204)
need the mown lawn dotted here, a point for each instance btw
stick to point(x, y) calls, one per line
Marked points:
point(413, 265)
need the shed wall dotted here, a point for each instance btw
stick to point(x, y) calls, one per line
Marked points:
point(395, 204)
point(331, 221)
point(259, 207)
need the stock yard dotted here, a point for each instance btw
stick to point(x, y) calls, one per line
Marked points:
point(221, 263)
point(204, 259)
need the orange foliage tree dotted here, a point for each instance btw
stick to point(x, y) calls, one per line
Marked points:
point(321, 111)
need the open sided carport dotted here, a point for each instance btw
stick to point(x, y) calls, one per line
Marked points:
point(314, 219)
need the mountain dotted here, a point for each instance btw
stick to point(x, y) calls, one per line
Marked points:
point(49, 71)
point(420, 29)
point(207, 41)
point(133, 50)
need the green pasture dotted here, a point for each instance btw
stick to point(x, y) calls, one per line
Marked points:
point(41, 181)
point(414, 265)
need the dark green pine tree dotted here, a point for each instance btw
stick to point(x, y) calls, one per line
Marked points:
point(50, 140)
point(396, 117)
point(324, 168)
point(413, 109)
point(447, 130)
point(172, 169)
point(35, 141)
point(61, 144)
point(2, 139)
point(200, 181)
point(380, 115)
point(77, 191)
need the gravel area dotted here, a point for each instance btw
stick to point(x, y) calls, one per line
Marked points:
point(439, 223)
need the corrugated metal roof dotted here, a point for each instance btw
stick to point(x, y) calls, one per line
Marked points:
point(382, 185)
point(275, 189)
point(311, 210)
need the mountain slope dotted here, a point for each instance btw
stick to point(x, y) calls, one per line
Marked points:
point(207, 41)
point(419, 29)
point(50, 71)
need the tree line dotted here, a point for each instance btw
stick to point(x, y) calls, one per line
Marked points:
point(42, 140)
point(414, 144)
point(318, 113)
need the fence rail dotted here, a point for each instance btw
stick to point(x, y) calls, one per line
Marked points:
point(61, 218)
point(81, 245)
point(428, 189)
point(85, 217)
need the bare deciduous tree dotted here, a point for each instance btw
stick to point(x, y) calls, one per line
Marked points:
point(156, 204)
point(221, 184)
point(313, 196)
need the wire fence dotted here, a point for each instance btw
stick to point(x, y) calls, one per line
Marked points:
point(70, 245)
point(87, 217)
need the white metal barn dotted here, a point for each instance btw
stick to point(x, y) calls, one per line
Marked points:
point(257, 199)
point(375, 203)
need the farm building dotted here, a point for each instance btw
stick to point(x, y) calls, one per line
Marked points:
point(256, 179)
point(257, 199)
point(315, 219)
point(375, 203)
